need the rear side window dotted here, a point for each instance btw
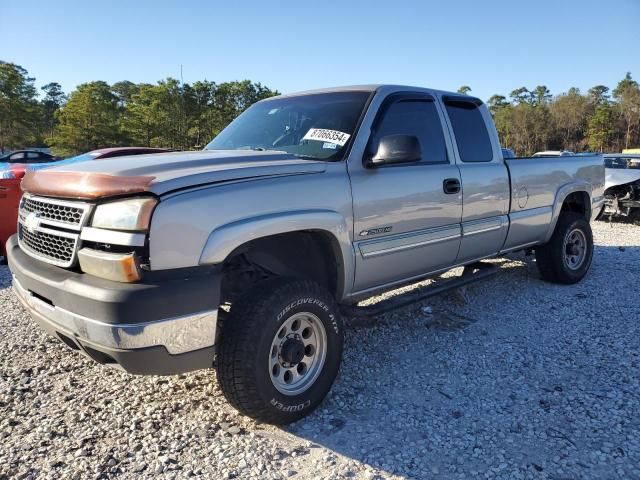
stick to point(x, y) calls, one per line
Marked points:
point(470, 130)
point(419, 118)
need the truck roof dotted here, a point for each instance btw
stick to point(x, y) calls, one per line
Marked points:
point(388, 88)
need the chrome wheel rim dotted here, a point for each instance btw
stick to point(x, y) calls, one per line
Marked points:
point(575, 249)
point(297, 353)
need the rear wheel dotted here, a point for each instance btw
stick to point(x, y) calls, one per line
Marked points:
point(280, 350)
point(566, 258)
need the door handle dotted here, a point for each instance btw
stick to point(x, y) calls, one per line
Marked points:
point(451, 186)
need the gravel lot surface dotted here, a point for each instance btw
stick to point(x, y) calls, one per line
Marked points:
point(523, 380)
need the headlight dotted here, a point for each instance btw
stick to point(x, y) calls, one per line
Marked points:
point(131, 215)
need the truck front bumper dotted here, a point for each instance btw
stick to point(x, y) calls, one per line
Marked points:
point(164, 325)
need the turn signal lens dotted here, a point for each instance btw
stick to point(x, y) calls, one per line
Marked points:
point(119, 267)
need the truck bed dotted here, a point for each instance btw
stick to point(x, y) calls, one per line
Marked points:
point(535, 184)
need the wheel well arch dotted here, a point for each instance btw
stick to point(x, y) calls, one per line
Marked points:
point(577, 202)
point(310, 254)
point(571, 198)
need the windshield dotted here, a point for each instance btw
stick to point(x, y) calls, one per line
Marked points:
point(621, 162)
point(316, 126)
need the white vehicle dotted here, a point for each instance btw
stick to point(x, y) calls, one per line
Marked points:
point(622, 184)
point(554, 153)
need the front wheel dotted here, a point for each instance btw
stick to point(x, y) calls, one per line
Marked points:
point(280, 350)
point(566, 258)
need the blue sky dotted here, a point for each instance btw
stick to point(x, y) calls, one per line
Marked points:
point(493, 46)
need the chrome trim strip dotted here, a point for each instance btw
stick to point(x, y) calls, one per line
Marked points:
point(102, 235)
point(407, 241)
point(178, 334)
point(57, 233)
point(530, 212)
point(482, 226)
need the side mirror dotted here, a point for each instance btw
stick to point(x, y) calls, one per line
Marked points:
point(396, 149)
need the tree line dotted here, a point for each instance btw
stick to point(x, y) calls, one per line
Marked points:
point(183, 116)
point(168, 114)
point(600, 120)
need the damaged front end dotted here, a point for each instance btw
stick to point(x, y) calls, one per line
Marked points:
point(622, 185)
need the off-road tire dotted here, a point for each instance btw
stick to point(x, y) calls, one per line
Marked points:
point(246, 343)
point(550, 257)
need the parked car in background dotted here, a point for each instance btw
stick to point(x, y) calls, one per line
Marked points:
point(622, 184)
point(508, 153)
point(554, 153)
point(27, 156)
point(11, 173)
point(303, 206)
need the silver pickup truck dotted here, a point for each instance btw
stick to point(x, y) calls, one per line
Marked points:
point(244, 255)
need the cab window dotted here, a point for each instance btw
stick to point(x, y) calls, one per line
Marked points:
point(470, 130)
point(416, 117)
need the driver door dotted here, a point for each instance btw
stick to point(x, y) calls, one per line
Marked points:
point(406, 216)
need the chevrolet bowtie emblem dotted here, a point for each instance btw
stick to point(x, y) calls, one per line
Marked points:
point(32, 221)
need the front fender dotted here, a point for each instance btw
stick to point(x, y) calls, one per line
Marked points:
point(561, 195)
point(226, 238)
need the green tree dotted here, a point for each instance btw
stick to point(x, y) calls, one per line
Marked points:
point(600, 130)
point(627, 95)
point(53, 99)
point(599, 95)
point(18, 107)
point(569, 113)
point(88, 120)
point(123, 91)
point(502, 112)
point(520, 95)
point(465, 89)
point(496, 102)
point(201, 112)
point(540, 95)
point(142, 121)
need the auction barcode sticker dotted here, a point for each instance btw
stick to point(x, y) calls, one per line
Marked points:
point(323, 135)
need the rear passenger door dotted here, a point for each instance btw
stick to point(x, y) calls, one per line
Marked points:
point(405, 224)
point(485, 179)
point(33, 157)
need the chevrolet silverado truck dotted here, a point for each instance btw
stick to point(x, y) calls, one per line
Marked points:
point(243, 256)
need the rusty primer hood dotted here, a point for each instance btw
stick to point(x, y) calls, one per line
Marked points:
point(161, 173)
point(84, 185)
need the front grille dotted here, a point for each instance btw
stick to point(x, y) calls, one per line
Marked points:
point(58, 250)
point(62, 213)
point(49, 229)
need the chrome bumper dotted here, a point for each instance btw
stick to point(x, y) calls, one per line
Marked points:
point(178, 334)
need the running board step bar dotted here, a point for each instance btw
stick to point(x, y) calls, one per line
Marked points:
point(471, 273)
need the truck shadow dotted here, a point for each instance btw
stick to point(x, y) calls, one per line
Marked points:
point(452, 388)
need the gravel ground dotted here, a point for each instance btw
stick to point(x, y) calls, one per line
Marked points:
point(514, 378)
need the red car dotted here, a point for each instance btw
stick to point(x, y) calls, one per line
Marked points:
point(10, 192)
